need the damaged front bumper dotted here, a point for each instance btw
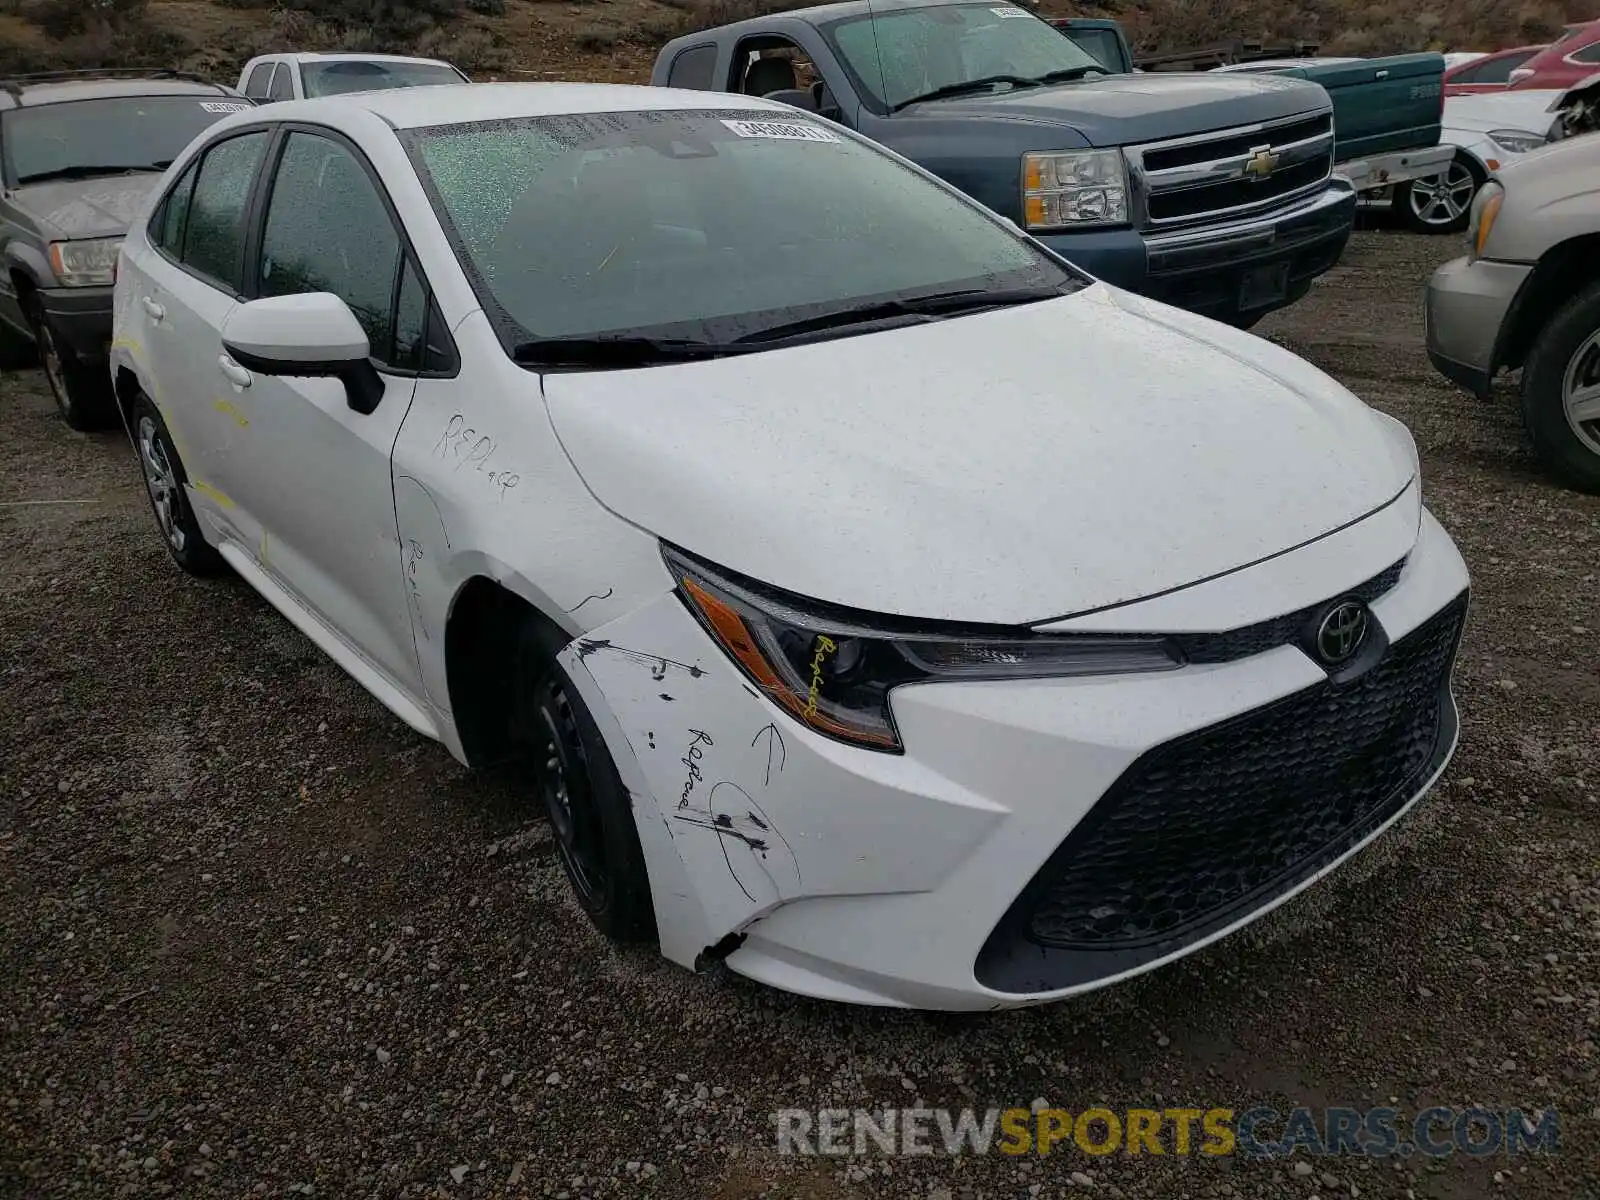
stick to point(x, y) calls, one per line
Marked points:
point(1022, 849)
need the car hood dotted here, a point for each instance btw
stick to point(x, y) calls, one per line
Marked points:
point(1011, 466)
point(1484, 112)
point(85, 208)
point(1119, 110)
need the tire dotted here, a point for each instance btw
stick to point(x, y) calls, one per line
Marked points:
point(584, 798)
point(82, 394)
point(1562, 366)
point(1440, 203)
point(164, 480)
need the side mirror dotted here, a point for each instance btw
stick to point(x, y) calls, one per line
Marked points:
point(797, 97)
point(823, 102)
point(313, 335)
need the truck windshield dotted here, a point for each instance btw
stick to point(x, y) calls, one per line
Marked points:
point(902, 54)
point(369, 75)
point(707, 227)
point(105, 137)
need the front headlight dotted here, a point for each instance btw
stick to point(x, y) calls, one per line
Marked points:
point(1485, 208)
point(833, 670)
point(1516, 141)
point(1074, 189)
point(89, 263)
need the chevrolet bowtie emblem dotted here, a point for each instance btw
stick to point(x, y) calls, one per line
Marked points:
point(1260, 163)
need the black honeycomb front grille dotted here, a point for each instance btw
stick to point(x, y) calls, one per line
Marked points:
point(1205, 828)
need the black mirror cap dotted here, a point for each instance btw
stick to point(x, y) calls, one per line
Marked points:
point(363, 386)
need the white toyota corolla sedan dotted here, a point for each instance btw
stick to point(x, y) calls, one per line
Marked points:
point(888, 609)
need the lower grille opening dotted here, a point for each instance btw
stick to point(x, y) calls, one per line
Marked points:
point(1202, 830)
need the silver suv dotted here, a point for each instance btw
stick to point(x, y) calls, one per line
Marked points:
point(1527, 294)
point(79, 152)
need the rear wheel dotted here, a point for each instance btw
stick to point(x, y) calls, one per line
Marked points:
point(1441, 203)
point(582, 794)
point(164, 480)
point(82, 394)
point(1561, 392)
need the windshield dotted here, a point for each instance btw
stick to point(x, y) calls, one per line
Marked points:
point(898, 55)
point(711, 226)
point(123, 133)
point(365, 75)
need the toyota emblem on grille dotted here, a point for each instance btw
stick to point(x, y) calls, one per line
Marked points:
point(1343, 629)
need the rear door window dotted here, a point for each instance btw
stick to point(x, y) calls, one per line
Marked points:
point(213, 235)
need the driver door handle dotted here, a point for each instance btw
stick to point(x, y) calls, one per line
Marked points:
point(155, 310)
point(236, 374)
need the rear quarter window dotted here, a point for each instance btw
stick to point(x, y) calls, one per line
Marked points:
point(693, 68)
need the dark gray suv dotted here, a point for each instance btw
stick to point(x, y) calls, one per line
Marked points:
point(79, 152)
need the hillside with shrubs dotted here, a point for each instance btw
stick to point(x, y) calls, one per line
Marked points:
point(617, 39)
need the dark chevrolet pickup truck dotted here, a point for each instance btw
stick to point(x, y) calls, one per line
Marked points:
point(1212, 192)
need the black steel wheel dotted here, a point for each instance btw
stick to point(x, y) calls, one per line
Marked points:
point(591, 818)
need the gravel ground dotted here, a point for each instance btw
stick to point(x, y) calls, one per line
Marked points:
point(257, 938)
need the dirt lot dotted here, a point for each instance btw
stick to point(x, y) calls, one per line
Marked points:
point(257, 938)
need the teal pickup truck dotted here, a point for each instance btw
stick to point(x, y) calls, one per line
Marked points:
point(1386, 111)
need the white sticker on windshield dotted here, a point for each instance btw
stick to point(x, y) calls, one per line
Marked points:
point(222, 106)
point(789, 131)
point(1009, 12)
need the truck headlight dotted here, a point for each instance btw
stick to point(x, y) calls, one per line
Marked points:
point(1515, 141)
point(1485, 208)
point(89, 263)
point(1074, 188)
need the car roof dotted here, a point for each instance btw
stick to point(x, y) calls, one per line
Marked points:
point(23, 92)
point(830, 12)
point(306, 56)
point(444, 104)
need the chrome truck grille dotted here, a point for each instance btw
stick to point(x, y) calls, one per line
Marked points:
point(1232, 172)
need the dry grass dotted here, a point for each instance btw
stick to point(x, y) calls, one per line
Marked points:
point(617, 39)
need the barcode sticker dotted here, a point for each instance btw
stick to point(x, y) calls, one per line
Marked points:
point(222, 106)
point(789, 131)
point(1009, 12)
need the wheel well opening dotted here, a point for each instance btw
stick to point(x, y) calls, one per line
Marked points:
point(22, 283)
point(126, 388)
point(480, 666)
point(1561, 273)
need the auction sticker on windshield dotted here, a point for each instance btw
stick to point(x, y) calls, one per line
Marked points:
point(222, 106)
point(791, 131)
point(1010, 12)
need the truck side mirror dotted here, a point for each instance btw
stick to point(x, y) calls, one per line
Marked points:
point(797, 97)
point(823, 102)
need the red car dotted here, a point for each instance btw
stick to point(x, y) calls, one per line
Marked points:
point(1491, 73)
point(1568, 60)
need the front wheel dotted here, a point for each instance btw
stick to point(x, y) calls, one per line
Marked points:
point(1561, 392)
point(584, 798)
point(82, 394)
point(1441, 203)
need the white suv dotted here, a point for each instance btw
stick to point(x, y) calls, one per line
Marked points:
point(886, 607)
point(274, 77)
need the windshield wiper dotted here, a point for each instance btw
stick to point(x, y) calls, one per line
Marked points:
point(1068, 74)
point(89, 172)
point(933, 307)
point(962, 89)
point(612, 350)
